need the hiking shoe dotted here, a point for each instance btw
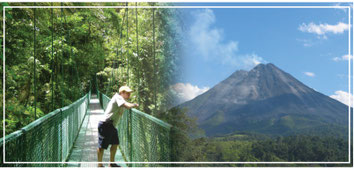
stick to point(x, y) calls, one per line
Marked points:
point(114, 165)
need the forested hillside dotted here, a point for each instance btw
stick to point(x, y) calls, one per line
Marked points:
point(253, 147)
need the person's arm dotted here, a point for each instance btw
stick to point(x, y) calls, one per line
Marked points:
point(121, 102)
point(130, 105)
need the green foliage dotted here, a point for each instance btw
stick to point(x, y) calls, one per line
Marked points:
point(88, 44)
point(140, 53)
point(303, 148)
point(252, 148)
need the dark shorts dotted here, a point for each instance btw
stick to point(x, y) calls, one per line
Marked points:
point(107, 134)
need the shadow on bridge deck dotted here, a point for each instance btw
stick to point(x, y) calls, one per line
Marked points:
point(85, 147)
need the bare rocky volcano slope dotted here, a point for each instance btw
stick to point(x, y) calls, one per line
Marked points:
point(266, 100)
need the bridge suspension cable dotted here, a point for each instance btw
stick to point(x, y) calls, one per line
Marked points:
point(137, 49)
point(34, 64)
point(126, 58)
point(153, 38)
point(127, 43)
point(52, 60)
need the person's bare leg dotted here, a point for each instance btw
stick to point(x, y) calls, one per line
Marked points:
point(100, 152)
point(113, 153)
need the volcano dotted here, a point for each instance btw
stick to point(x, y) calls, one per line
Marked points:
point(266, 100)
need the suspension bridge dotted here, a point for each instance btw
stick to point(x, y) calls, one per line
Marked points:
point(68, 137)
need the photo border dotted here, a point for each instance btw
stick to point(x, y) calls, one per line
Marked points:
point(197, 7)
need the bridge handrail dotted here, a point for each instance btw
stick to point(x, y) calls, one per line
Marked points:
point(152, 118)
point(143, 138)
point(60, 137)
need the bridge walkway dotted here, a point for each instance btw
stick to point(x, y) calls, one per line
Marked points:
point(85, 147)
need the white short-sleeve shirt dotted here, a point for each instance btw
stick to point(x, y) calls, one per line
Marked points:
point(115, 109)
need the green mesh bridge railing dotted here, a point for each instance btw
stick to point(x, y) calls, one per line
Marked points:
point(47, 139)
point(143, 138)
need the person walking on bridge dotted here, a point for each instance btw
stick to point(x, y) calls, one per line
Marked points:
point(107, 128)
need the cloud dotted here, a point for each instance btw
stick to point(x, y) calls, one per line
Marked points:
point(323, 29)
point(342, 96)
point(310, 74)
point(185, 92)
point(208, 41)
point(343, 58)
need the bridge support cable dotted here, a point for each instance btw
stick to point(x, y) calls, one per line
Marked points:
point(117, 53)
point(127, 44)
point(52, 60)
point(153, 38)
point(34, 64)
point(71, 55)
point(137, 49)
point(56, 67)
point(119, 47)
point(62, 57)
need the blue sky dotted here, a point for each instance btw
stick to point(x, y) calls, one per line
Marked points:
point(310, 44)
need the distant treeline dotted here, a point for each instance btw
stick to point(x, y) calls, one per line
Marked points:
point(299, 148)
point(252, 147)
